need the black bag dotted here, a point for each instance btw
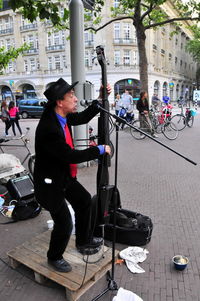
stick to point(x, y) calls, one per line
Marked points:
point(17, 117)
point(132, 228)
point(25, 209)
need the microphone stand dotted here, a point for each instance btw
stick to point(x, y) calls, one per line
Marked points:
point(147, 135)
point(112, 285)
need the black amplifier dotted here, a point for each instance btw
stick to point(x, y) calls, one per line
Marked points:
point(21, 188)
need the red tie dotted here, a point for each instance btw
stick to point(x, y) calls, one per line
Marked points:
point(68, 138)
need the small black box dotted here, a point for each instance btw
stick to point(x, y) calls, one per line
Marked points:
point(21, 188)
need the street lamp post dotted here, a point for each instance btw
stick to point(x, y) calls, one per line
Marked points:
point(77, 51)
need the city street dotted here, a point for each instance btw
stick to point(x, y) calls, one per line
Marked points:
point(153, 181)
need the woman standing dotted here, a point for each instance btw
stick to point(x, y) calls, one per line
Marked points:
point(5, 116)
point(143, 108)
point(14, 117)
point(117, 104)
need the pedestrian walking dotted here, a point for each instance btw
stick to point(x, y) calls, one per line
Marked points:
point(143, 108)
point(14, 117)
point(5, 117)
point(55, 172)
point(117, 104)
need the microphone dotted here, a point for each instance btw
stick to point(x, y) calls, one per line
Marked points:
point(86, 102)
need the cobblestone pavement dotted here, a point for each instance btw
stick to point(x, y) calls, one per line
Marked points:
point(153, 181)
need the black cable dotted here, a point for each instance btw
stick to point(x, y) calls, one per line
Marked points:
point(91, 233)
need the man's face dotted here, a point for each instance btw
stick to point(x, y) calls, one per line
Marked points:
point(68, 104)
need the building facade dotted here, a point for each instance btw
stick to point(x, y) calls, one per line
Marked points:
point(171, 70)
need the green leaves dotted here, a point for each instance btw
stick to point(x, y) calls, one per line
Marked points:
point(193, 46)
point(10, 55)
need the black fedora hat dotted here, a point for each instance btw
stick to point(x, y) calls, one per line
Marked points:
point(58, 89)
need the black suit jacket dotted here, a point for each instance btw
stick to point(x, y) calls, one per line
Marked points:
point(53, 156)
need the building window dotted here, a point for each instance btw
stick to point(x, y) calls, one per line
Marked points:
point(49, 40)
point(50, 65)
point(170, 56)
point(117, 30)
point(126, 31)
point(135, 57)
point(116, 3)
point(87, 59)
point(181, 62)
point(117, 57)
point(126, 58)
point(64, 61)
point(8, 44)
point(31, 41)
point(57, 62)
point(176, 59)
point(25, 65)
point(176, 41)
point(32, 64)
point(56, 38)
point(154, 47)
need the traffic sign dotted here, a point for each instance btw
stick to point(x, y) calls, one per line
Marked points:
point(196, 95)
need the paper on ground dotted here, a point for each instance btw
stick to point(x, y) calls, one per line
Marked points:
point(132, 256)
point(125, 295)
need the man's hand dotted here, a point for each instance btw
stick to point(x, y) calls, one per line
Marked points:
point(108, 88)
point(107, 149)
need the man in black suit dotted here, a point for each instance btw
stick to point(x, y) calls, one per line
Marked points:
point(55, 172)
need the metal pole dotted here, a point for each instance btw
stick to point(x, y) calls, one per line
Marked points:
point(77, 50)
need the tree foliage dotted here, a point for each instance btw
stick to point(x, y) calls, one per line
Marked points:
point(10, 55)
point(193, 46)
point(145, 14)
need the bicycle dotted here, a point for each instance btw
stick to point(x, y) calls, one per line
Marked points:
point(4, 143)
point(92, 140)
point(160, 123)
point(182, 120)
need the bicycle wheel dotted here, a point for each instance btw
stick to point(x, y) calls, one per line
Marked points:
point(144, 126)
point(180, 121)
point(31, 163)
point(190, 121)
point(170, 130)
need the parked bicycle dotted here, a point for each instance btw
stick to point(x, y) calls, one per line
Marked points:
point(181, 120)
point(160, 123)
point(92, 141)
point(20, 142)
point(126, 115)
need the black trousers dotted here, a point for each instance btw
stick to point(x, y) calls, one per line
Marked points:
point(80, 200)
point(14, 121)
point(7, 126)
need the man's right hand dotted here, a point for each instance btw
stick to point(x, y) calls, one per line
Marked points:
point(107, 149)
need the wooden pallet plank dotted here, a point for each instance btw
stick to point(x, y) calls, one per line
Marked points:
point(39, 264)
point(78, 265)
point(33, 254)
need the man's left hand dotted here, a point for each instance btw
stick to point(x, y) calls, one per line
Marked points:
point(108, 88)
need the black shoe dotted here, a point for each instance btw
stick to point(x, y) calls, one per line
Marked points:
point(95, 242)
point(88, 251)
point(60, 265)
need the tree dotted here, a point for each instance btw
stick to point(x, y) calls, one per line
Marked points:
point(145, 14)
point(193, 46)
point(9, 55)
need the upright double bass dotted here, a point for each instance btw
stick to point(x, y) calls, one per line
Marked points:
point(104, 190)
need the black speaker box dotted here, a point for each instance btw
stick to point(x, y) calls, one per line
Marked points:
point(21, 188)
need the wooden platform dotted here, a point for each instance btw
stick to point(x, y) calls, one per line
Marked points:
point(33, 255)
